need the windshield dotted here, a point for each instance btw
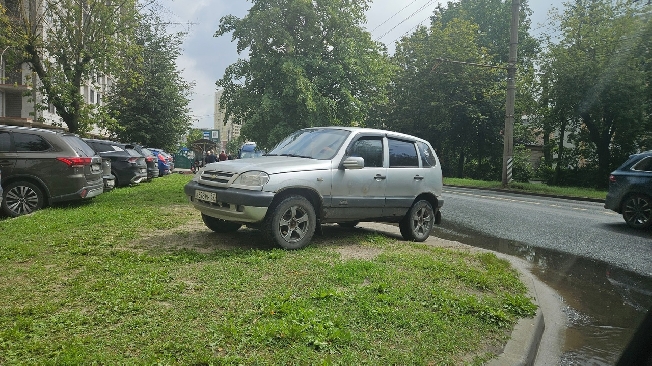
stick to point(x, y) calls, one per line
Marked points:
point(320, 144)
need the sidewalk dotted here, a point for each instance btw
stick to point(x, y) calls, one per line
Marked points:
point(534, 341)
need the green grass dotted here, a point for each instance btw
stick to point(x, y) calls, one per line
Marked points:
point(530, 187)
point(132, 277)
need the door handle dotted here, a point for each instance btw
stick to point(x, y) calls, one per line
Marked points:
point(379, 177)
point(418, 177)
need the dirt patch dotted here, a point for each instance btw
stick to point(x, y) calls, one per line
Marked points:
point(358, 252)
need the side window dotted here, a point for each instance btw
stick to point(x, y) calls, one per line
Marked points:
point(402, 154)
point(644, 165)
point(5, 142)
point(29, 142)
point(427, 156)
point(370, 149)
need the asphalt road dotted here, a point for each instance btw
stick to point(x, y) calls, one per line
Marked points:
point(580, 228)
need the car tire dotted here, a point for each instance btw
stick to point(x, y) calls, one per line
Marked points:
point(348, 224)
point(291, 223)
point(21, 198)
point(219, 225)
point(637, 211)
point(418, 222)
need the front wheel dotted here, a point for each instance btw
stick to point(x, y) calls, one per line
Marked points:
point(418, 222)
point(637, 211)
point(219, 225)
point(21, 198)
point(291, 223)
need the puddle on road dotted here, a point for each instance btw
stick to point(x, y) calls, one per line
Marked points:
point(604, 304)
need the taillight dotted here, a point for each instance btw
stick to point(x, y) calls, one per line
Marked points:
point(74, 162)
point(149, 159)
point(132, 160)
point(612, 178)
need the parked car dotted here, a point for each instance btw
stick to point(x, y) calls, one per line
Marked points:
point(321, 175)
point(169, 159)
point(150, 159)
point(41, 167)
point(0, 188)
point(127, 165)
point(164, 167)
point(107, 176)
point(249, 150)
point(630, 190)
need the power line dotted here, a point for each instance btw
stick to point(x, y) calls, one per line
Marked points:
point(395, 14)
point(404, 20)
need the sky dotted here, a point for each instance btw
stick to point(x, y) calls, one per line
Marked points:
point(205, 57)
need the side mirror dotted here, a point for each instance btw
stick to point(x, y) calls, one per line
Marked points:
point(353, 162)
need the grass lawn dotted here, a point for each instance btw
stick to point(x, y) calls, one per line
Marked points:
point(530, 187)
point(133, 277)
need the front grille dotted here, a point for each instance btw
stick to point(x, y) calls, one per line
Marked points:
point(216, 176)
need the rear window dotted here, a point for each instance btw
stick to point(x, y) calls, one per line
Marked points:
point(79, 145)
point(644, 165)
point(30, 142)
point(427, 156)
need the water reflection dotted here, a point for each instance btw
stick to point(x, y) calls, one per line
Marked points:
point(604, 304)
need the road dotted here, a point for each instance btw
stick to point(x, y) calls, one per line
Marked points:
point(580, 228)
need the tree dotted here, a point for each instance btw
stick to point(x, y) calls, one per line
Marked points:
point(67, 43)
point(458, 106)
point(149, 102)
point(310, 64)
point(596, 83)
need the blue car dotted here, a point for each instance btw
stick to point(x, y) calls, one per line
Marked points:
point(164, 167)
point(630, 190)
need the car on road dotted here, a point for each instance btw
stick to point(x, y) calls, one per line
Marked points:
point(41, 167)
point(630, 190)
point(127, 165)
point(249, 150)
point(322, 175)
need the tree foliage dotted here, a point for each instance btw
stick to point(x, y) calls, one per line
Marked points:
point(458, 106)
point(68, 43)
point(149, 102)
point(310, 64)
point(595, 82)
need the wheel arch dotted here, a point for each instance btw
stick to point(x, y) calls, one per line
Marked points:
point(434, 202)
point(310, 194)
point(33, 180)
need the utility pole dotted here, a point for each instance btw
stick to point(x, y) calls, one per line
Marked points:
point(508, 134)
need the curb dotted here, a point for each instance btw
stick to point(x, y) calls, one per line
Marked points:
point(523, 345)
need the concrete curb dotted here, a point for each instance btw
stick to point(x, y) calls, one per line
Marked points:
point(523, 345)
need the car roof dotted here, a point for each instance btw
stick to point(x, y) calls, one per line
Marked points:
point(33, 129)
point(370, 130)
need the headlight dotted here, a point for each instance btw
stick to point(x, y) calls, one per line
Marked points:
point(252, 179)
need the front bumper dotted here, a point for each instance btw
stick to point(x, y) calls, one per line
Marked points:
point(231, 204)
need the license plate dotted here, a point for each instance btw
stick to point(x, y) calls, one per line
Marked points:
point(206, 196)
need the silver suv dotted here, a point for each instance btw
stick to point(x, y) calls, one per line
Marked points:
point(41, 167)
point(321, 175)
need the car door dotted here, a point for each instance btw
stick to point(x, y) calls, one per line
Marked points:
point(360, 193)
point(7, 156)
point(405, 177)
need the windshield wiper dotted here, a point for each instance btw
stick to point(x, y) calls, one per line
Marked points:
point(297, 156)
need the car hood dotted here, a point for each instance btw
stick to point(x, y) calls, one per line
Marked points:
point(270, 165)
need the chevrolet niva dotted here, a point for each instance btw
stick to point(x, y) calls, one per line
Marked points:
point(341, 175)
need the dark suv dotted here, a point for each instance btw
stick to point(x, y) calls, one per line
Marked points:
point(630, 190)
point(127, 165)
point(41, 167)
point(150, 159)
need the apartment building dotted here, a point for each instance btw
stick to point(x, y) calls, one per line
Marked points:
point(229, 130)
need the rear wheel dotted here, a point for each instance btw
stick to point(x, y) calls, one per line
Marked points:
point(418, 222)
point(637, 211)
point(219, 225)
point(21, 198)
point(291, 223)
